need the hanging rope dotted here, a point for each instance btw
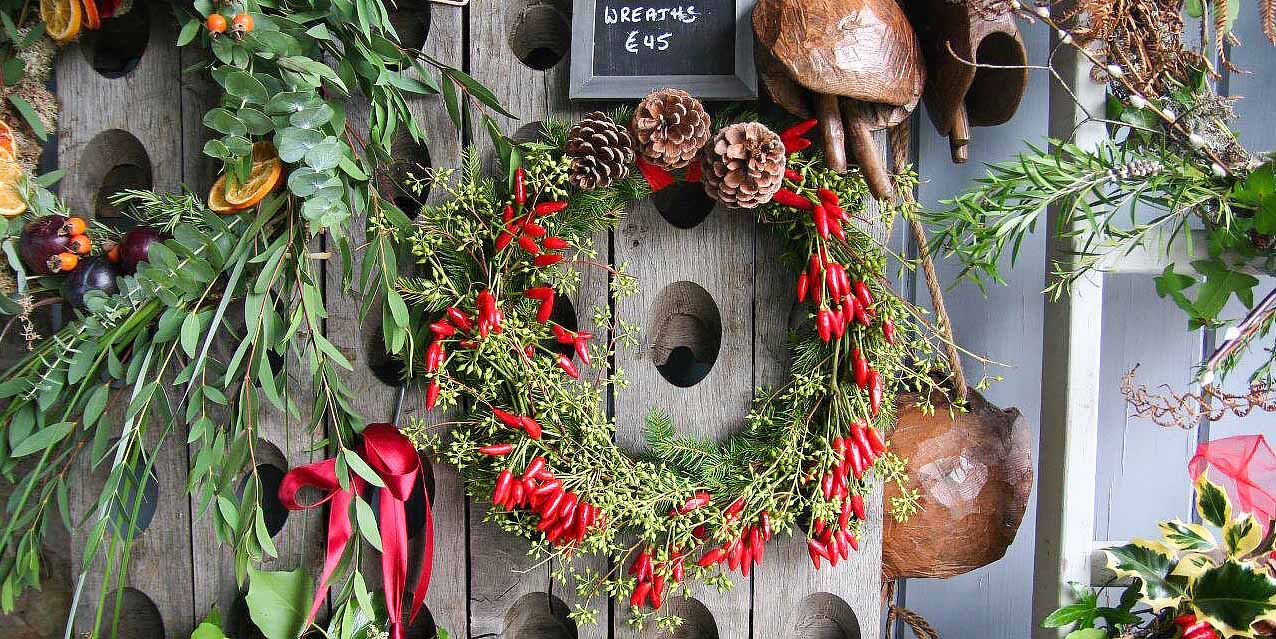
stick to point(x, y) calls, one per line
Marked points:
point(915, 622)
point(901, 143)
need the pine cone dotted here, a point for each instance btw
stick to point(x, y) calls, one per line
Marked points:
point(600, 150)
point(670, 126)
point(744, 165)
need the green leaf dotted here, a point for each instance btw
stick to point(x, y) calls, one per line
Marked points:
point(1185, 536)
point(1221, 282)
point(1150, 562)
point(188, 32)
point(293, 143)
point(278, 602)
point(311, 117)
point(361, 468)
point(325, 155)
point(42, 439)
point(1233, 595)
point(33, 120)
point(244, 86)
point(367, 523)
point(224, 122)
point(210, 627)
point(1087, 633)
point(1211, 503)
point(1242, 536)
point(191, 328)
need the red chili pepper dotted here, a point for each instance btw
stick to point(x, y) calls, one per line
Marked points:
point(875, 442)
point(800, 129)
point(712, 557)
point(843, 544)
point(816, 550)
point(826, 486)
point(888, 330)
point(520, 186)
point(792, 137)
point(539, 293)
point(568, 367)
point(839, 323)
point(529, 245)
point(550, 487)
point(856, 460)
point(434, 356)
point(431, 394)
point(735, 507)
point(533, 467)
point(789, 198)
point(554, 243)
point(460, 319)
point(855, 542)
point(699, 532)
point(875, 391)
point(486, 303)
point(582, 347)
point(792, 176)
point(813, 268)
point(824, 325)
point(695, 502)
point(857, 507)
point(835, 228)
point(502, 487)
point(562, 335)
point(533, 229)
point(757, 544)
point(678, 571)
point(802, 284)
point(861, 314)
point(765, 521)
point(507, 214)
point(861, 442)
point(657, 591)
point(529, 352)
point(531, 426)
point(497, 450)
point(735, 555)
point(821, 221)
point(442, 328)
point(548, 208)
point(503, 241)
point(506, 417)
point(548, 259)
point(862, 293)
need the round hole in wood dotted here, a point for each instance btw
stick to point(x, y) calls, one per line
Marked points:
point(824, 616)
point(410, 160)
point(686, 333)
point(530, 132)
point(564, 314)
point(117, 48)
point(697, 621)
point(138, 491)
point(388, 370)
point(684, 205)
point(115, 160)
point(539, 615)
point(414, 507)
point(138, 616)
point(540, 36)
point(270, 474)
point(411, 20)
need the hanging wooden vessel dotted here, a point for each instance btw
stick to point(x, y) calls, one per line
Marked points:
point(958, 95)
point(974, 474)
point(855, 65)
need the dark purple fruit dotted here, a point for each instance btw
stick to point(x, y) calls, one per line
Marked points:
point(41, 241)
point(135, 247)
point(94, 274)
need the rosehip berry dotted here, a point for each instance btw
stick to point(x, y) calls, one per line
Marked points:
point(241, 24)
point(74, 226)
point(216, 23)
point(64, 262)
point(79, 244)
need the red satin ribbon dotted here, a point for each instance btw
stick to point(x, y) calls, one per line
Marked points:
point(656, 177)
point(395, 461)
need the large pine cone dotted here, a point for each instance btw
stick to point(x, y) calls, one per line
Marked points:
point(670, 126)
point(744, 165)
point(600, 150)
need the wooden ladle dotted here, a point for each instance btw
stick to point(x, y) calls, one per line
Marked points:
point(858, 60)
point(960, 95)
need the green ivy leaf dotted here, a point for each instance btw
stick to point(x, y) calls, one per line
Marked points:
point(1233, 595)
point(278, 602)
point(1220, 283)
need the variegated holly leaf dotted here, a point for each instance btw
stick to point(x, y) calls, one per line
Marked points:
point(1191, 565)
point(1152, 562)
point(1184, 536)
point(1242, 536)
point(1232, 596)
point(1212, 503)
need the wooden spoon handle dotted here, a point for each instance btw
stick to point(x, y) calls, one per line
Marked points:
point(830, 116)
point(869, 158)
point(959, 137)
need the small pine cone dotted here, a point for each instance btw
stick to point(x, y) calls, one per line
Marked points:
point(744, 165)
point(670, 126)
point(600, 151)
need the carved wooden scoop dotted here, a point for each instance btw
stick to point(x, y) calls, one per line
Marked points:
point(959, 95)
point(862, 51)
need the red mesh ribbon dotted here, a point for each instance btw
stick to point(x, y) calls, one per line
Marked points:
point(1245, 467)
point(395, 461)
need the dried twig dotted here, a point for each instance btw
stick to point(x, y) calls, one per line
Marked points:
point(1186, 410)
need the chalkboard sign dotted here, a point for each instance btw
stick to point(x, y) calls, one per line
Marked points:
point(628, 48)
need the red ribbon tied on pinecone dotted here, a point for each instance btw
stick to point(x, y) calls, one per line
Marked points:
point(395, 461)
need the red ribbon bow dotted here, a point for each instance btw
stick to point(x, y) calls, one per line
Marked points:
point(395, 461)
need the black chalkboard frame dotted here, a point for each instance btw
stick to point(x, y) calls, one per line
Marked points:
point(585, 85)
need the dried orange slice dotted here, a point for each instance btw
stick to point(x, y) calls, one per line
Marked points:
point(61, 18)
point(11, 202)
point(91, 20)
point(8, 145)
point(227, 196)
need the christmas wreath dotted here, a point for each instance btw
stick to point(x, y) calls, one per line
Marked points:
point(528, 427)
